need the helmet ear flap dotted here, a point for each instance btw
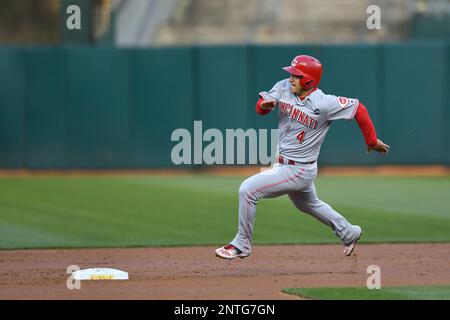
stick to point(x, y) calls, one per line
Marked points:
point(307, 83)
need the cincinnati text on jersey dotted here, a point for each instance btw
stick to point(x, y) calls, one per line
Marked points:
point(298, 115)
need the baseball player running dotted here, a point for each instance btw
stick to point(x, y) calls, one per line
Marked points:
point(305, 115)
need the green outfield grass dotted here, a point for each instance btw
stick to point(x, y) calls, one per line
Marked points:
point(388, 293)
point(154, 211)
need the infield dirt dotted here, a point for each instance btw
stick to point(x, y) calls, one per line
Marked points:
point(195, 273)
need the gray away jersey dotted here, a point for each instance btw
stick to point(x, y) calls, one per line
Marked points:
point(303, 125)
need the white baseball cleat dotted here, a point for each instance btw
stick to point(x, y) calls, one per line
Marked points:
point(349, 247)
point(230, 252)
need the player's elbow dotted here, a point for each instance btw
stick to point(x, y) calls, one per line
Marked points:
point(259, 110)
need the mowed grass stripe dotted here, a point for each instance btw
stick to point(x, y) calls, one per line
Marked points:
point(384, 293)
point(154, 211)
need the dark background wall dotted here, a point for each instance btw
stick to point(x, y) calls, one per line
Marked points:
point(81, 107)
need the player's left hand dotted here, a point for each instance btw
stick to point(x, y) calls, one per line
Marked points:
point(379, 147)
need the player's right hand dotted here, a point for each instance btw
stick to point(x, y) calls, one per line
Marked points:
point(267, 104)
point(379, 147)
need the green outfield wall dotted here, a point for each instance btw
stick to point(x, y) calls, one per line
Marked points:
point(81, 107)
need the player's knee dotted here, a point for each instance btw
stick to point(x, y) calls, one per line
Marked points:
point(309, 207)
point(244, 191)
point(305, 209)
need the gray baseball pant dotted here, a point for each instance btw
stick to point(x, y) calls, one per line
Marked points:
point(297, 181)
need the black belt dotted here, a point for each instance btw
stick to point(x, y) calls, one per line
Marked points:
point(282, 159)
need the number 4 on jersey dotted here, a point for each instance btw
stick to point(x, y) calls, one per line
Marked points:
point(301, 136)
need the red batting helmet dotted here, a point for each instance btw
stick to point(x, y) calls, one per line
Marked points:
point(309, 68)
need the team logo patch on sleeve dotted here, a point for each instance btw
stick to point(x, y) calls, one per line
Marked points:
point(343, 101)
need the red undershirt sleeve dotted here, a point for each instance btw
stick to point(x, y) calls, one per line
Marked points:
point(365, 124)
point(258, 107)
